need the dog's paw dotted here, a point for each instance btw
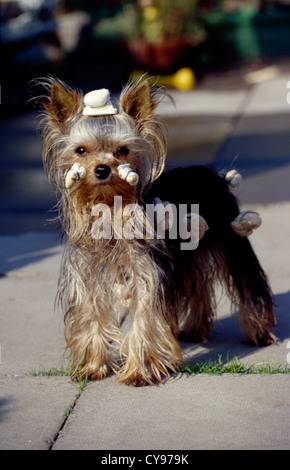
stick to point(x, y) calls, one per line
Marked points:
point(100, 374)
point(134, 379)
point(139, 375)
point(246, 222)
point(87, 371)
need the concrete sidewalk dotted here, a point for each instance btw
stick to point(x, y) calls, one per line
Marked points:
point(187, 412)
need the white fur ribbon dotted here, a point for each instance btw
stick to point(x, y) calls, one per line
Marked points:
point(165, 222)
point(194, 227)
point(127, 174)
point(246, 222)
point(76, 173)
point(233, 178)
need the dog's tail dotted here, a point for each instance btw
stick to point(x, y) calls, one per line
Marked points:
point(246, 280)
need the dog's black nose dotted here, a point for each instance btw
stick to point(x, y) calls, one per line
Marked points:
point(102, 172)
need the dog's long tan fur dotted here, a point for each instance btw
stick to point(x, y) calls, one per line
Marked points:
point(104, 281)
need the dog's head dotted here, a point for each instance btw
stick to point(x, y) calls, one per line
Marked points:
point(86, 140)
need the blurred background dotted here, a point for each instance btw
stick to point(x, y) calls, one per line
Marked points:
point(217, 48)
point(86, 42)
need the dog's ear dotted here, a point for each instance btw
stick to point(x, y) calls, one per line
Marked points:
point(137, 101)
point(63, 103)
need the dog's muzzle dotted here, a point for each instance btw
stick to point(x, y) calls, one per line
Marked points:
point(102, 172)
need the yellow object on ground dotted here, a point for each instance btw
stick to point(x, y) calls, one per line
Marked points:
point(183, 79)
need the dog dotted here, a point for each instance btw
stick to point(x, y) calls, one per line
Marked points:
point(107, 161)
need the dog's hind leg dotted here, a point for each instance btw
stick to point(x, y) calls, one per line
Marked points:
point(251, 292)
point(246, 280)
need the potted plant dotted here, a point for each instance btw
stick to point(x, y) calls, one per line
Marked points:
point(156, 33)
point(164, 30)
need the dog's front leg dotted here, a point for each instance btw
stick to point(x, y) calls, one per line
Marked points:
point(88, 341)
point(151, 349)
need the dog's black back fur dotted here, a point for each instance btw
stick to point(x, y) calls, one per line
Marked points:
point(218, 206)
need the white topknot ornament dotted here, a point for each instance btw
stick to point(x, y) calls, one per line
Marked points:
point(98, 103)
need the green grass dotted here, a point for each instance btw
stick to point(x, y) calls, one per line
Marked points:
point(64, 370)
point(68, 412)
point(235, 366)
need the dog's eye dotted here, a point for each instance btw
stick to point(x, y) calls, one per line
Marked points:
point(81, 151)
point(121, 152)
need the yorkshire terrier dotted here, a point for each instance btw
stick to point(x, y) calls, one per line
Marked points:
point(123, 261)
